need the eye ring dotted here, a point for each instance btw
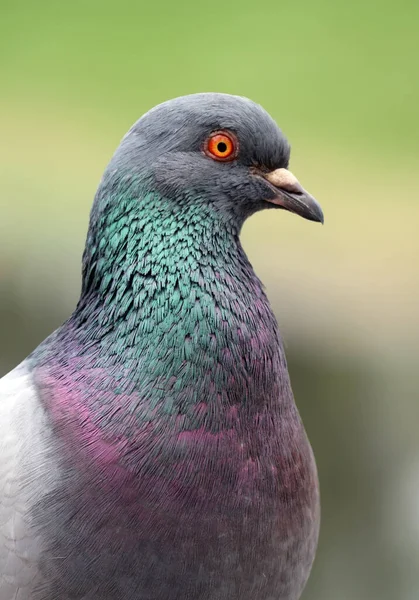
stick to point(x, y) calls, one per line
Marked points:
point(222, 146)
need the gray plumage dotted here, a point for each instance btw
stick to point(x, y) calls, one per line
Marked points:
point(151, 448)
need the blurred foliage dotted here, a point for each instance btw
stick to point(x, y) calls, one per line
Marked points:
point(341, 80)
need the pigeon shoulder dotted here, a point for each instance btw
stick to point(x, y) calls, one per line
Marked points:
point(26, 474)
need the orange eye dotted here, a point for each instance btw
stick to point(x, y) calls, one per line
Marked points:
point(221, 146)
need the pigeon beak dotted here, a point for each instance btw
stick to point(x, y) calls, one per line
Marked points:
point(291, 196)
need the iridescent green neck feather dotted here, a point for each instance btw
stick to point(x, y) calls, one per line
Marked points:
point(172, 314)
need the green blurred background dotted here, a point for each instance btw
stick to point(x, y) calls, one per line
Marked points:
point(341, 78)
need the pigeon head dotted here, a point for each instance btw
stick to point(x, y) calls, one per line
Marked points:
point(181, 184)
point(222, 152)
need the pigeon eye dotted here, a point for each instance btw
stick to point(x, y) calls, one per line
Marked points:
point(221, 146)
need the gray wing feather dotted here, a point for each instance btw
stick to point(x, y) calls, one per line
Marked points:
point(25, 476)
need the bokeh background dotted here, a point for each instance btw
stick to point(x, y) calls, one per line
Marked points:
point(341, 78)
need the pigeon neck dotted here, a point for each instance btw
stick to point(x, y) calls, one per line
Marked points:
point(171, 316)
point(168, 263)
point(143, 251)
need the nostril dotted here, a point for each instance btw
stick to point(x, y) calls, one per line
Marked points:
point(285, 180)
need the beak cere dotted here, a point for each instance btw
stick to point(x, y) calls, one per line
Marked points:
point(290, 195)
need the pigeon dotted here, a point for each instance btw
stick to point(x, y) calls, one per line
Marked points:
point(151, 448)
